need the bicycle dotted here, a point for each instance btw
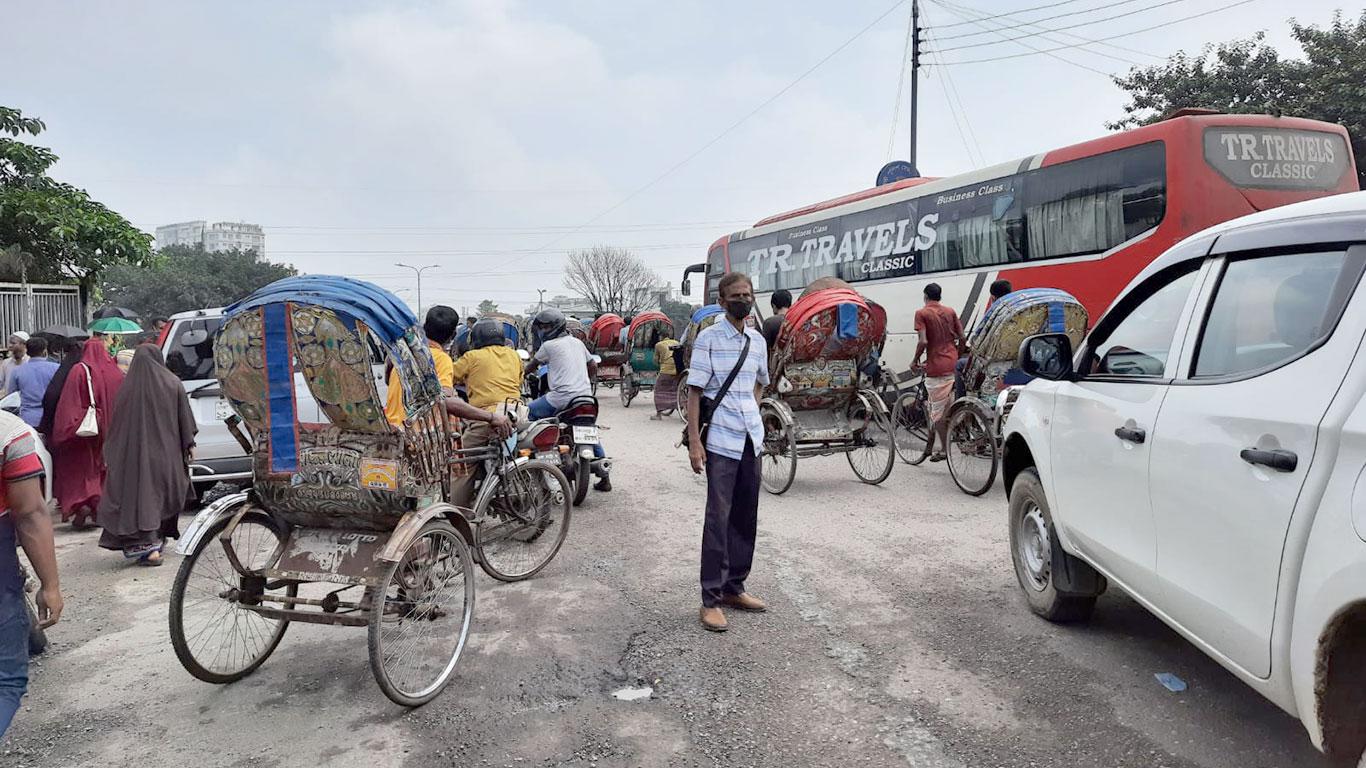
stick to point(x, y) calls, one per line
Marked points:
point(908, 402)
point(517, 501)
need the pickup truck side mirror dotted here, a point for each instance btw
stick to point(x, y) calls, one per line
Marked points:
point(1047, 356)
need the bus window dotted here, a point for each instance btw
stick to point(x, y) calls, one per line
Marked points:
point(1094, 204)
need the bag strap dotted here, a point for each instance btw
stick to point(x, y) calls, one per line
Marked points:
point(725, 386)
point(89, 386)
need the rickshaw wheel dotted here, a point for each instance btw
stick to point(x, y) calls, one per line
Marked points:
point(628, 391)
point(972, 448)
point(683, 395)
point(872, 461)
point(911, 428)
point(528, 519)
point(779, 455)
point(420, 619)
point(215, 639)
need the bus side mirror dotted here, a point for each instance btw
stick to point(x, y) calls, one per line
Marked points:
point(686, 287)
point(1047, 356)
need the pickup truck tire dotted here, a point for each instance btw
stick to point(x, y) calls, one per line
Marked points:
point(1034, 551)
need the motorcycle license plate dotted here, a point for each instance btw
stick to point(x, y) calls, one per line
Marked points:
point(586, 435)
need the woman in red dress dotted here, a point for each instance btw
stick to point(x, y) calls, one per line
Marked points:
point(78, 468)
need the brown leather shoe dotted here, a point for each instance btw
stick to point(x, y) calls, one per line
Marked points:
point(745, 602)
point(713, 619)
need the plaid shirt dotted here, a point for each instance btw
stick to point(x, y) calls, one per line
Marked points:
point(714, 354)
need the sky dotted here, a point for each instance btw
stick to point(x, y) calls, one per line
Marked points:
point(491, 137)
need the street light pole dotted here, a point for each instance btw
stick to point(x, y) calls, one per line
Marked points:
point(540, 303)
point(418, 271)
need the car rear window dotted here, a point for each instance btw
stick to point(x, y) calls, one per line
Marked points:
point(189, 349)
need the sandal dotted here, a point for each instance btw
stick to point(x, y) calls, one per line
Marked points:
point(147, 562)
point(938, 457)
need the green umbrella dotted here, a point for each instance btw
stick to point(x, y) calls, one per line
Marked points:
point(115, 325)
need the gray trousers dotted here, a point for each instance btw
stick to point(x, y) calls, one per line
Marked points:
point(731, 524)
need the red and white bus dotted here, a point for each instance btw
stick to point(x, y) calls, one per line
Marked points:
point(1085, 218)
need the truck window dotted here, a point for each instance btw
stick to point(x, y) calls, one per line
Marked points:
point(189, 348)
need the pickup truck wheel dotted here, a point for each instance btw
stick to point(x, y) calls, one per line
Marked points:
point(1032, 551)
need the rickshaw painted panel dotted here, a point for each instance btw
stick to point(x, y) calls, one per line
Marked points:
point(819, 384)
point(331, 555)
point(336, 365)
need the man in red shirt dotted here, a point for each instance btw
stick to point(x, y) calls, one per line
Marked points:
point(941, 336)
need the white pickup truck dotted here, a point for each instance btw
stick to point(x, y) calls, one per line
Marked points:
point(1205, 451)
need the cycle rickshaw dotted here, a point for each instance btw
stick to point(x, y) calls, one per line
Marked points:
point(604, 340)
point(818, 402)
point(511, 331)
point(642, 369)
point(348, 520)
point(991, 381)
point(702, 318)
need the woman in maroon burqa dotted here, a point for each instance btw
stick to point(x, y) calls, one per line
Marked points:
point(78, 468)
point(147, 449)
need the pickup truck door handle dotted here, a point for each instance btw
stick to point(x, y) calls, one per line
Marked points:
point(1279, 459)
point(1131, 434)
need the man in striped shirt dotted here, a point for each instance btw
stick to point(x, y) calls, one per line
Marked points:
point(731, 453)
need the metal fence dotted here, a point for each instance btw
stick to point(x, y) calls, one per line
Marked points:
point(35, 307)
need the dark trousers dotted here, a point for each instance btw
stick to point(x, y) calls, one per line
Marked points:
point(732, 522)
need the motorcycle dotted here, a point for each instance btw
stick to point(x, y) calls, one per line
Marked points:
point(572, 449)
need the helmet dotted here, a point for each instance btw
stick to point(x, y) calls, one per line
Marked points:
point(486, 333)
point(551, 322)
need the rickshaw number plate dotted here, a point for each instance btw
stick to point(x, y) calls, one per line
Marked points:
point(337, 556)
point(586, 435)
point(222, 410)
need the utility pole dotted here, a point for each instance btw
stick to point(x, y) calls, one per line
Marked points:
point(915, 76)
point(540, 303)
point(419, 271)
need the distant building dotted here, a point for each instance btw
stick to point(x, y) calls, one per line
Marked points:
point(572, 306)
point(219, 236)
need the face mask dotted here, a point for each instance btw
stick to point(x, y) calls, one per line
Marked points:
point(738, 309)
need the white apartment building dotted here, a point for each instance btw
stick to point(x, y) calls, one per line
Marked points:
point(219, 236)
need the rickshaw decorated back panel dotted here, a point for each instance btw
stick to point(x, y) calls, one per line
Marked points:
point(356, 470)
point(995, 343)
point(824, 338)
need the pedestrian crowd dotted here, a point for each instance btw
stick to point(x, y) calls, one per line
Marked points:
point(110, 433)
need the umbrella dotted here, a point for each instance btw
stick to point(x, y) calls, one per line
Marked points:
point(64, 332)
point(116, 325)
point(123, 312)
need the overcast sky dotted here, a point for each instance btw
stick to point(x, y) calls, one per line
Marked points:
point(477, 134)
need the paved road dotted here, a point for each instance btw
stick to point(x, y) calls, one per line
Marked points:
point(896, 638)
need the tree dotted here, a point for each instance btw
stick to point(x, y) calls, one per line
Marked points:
point(611, 279)
point(1251, 77)
point(487, 307)
point(680, 312)
point(65, 234)
point(185, 277)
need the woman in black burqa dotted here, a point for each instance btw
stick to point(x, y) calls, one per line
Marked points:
point(147, 450)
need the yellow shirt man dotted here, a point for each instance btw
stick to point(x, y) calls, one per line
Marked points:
point(664, 357)
point(393, 405)
point(492, 375)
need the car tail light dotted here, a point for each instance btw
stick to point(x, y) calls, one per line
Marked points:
point(546, 439)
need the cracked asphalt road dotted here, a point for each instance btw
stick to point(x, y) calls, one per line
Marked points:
point(896, 637)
